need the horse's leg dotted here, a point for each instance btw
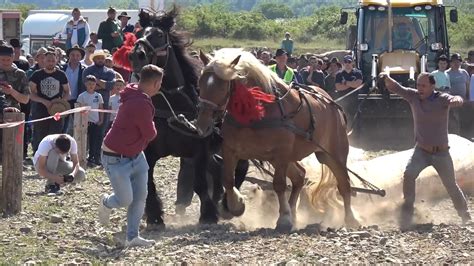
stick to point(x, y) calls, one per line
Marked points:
point(285, 220)
point(208, 208)
point(296, 173)
point(215, 170)
point(343, 186)
point(184, 192)
point(154, 206)
point(233, 201)
point(241, 172)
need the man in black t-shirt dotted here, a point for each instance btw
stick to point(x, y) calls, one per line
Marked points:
point(312, 74)
point(47, 84)
point(347, 80)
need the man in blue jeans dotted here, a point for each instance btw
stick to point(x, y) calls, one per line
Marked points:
point(122, 153)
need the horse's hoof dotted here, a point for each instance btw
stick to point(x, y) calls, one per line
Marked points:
point(284, 224)
point(239, 210)
point(155, 227)
point(180, 210)
point(223, 211)
point(213, 219)
point(352, 222)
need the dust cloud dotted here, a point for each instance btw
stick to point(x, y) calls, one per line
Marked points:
point(384, 171)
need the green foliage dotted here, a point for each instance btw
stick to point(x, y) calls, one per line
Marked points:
point(461, 34)
point(218, 21)
point(274, 11)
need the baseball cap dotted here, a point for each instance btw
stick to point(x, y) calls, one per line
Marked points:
point(348, 59)
point(6, 50)
point(280, 52)
point(456, 56)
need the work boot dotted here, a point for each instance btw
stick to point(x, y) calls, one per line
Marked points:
point(406, 217)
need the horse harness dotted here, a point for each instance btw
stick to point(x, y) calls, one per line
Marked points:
point(285, 119)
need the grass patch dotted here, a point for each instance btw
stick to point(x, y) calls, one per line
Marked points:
point(316, 46)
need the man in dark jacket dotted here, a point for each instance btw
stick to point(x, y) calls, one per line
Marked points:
point(13, 85)
point(109, 31)
point(124, 25)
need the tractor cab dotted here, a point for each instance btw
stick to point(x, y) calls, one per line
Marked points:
point(402, 36)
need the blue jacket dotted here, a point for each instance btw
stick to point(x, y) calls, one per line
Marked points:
point(82, 32)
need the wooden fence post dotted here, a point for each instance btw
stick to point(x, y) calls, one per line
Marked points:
point(12, 164)
point(80, 135)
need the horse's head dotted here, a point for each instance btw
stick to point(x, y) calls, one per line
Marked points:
point(214, 94)
point(152, 48)
point(218, 81)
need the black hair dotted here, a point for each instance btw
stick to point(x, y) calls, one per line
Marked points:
point(431, 78)
point(63, 143)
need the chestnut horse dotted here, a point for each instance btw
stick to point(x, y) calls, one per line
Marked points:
point(297, 123)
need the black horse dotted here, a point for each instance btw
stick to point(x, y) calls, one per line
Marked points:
point(164, 46)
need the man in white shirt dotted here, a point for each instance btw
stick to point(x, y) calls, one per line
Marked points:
point(50, 161)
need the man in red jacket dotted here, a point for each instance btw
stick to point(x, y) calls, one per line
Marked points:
point(122, 153)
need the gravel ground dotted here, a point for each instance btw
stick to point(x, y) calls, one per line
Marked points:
point(64, 229)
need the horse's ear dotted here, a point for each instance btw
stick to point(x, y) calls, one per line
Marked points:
point(235, 61)
point(204, 58)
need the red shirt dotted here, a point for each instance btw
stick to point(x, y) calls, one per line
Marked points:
point(133, 127)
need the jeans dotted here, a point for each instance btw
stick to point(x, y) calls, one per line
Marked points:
point(94, 135)
point(443, 164)
point(128, 177)
point(56, 165)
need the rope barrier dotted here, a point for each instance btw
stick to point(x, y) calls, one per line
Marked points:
point(57, 116)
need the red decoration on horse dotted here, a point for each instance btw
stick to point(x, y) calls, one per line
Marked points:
point(121, 55)
point(246, 104)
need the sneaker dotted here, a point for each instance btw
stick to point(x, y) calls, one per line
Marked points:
point(104, 212)
point(139, 242)
point(53, 190)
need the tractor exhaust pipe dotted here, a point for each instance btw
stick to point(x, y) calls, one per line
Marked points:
point(374, 70)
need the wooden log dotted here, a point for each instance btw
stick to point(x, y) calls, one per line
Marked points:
point(12, 165)
point(80, 135)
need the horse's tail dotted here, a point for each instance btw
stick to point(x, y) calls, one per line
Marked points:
point(323, 195)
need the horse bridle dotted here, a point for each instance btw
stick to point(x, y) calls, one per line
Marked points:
point(155, 50)
point(218, 109)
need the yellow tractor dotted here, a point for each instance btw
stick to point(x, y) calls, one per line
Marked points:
point(403, 37)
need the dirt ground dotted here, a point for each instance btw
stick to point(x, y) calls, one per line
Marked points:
point(65, 229)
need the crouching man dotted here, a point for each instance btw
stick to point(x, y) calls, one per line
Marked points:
point(430, 115)
point(51, 162)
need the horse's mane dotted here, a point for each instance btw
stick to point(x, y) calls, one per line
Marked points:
point(180, 41)
point(248, 67)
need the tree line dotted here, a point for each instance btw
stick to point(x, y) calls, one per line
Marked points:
point(306, 20)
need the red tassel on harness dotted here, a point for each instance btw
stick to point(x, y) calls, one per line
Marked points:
point(246, 104)
point(121, 55)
